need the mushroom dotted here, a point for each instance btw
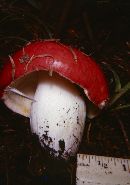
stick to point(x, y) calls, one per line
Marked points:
point(42, 80)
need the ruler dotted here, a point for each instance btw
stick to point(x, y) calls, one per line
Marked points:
point(100, 170)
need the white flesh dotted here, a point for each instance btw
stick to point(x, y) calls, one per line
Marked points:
point(58, 115)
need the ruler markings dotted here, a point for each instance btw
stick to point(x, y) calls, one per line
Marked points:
point(102, 170)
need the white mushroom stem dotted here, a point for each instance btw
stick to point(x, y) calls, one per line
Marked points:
point(58, 115)
point(56, 109)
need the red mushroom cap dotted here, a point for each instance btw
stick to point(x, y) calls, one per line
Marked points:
point(66, 61)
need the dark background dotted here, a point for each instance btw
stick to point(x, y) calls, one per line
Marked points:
point(100, 29)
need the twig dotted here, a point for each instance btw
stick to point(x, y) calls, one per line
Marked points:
point(120, 93)
point(6, 165)
point(64, 16)
point(116, 77)
point(105, 39)
point(124, 133)
point(72, 171)
point(14, 38)
point(88, 29)
point(120, 107)
point(88, 132)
